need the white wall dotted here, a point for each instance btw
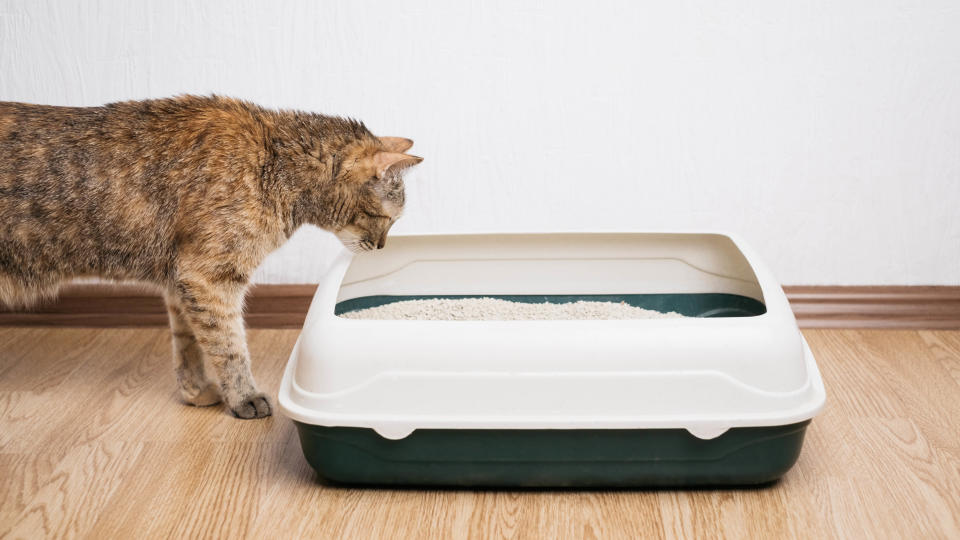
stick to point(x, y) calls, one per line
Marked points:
point(827, 133)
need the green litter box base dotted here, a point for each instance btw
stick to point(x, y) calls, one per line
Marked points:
point(642, 458)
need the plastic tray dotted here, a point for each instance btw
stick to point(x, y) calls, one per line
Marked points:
point(721, 398)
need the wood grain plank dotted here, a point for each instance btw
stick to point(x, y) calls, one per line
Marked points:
point(945, 346)
point(917, 476)
point(22, 476)
point(69, 500)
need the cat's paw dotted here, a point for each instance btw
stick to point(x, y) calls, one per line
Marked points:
point(255, 406)
point(210, 395)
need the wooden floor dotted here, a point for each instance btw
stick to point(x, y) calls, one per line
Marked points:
point(94, 443)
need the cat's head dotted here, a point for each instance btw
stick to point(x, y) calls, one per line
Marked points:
point(373, 175)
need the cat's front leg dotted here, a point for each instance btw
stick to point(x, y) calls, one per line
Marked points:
point(195, 387)
point(214, 312)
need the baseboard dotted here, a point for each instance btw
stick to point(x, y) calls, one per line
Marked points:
point(875, 306)
point(122, 305)
point(285, 306)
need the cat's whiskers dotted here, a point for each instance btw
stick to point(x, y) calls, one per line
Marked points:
point(353, 246)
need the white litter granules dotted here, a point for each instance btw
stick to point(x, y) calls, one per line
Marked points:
point(493, 309)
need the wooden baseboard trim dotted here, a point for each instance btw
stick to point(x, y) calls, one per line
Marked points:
point(875, 306)
point(285, 306)
point(122, 305)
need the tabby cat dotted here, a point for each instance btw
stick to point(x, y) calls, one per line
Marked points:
point(190, 194)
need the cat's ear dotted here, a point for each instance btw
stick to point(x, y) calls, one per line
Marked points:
point(390, 163)
point(396, 144)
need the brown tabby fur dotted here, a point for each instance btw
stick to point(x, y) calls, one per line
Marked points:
point(188, 193)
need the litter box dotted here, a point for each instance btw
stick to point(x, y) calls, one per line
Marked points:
point(720, 398)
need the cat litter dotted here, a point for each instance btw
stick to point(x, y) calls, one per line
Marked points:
point(576, 359)
point(494, 309)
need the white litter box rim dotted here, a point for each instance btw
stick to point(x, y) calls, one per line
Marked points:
point(809, 399)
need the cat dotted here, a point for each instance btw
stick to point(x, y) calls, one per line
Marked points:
point(190, 194)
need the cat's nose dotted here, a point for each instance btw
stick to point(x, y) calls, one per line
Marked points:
point(382, 242)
